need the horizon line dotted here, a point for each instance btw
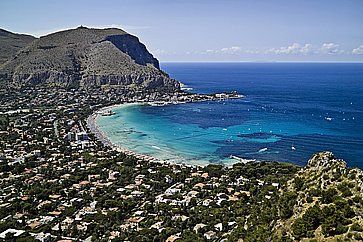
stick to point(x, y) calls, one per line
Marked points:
point(342, 62)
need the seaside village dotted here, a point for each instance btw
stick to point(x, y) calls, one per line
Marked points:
point(58, 182)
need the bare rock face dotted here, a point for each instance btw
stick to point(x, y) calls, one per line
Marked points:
point(87, 58)
point(325, 161)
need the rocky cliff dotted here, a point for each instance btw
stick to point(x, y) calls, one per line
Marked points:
point(86, 58)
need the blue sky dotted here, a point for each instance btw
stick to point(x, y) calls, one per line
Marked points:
point(209, 30)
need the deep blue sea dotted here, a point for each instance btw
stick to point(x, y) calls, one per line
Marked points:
point(291, 110)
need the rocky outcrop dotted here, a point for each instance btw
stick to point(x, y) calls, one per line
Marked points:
point(87, 58)
point(325, 202)
point(131, 45)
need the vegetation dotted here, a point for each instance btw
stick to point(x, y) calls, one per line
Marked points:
point(61, 188)
point(328, 202)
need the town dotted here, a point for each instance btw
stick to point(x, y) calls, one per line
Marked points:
point(60, 183)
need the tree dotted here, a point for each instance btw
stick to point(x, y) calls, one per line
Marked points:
point(327, 196)
point(306, 225)
point(286, 204)
point(299, 229)
point(299, 183)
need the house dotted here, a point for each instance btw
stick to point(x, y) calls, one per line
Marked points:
point(42, 237)
point(199, 185)
point(172, 238)
point(136, 220)
point(206, 202)
point(205, 175)
point(14, 232)
point(198, 226)
point(171, 191)
point(218, 226)
point(157, 226)
point(210, 235)
point(275, 184)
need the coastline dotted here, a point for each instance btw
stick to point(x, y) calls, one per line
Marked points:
point(100, 136)
point(185, 98)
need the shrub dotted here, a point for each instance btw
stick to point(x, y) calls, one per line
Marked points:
point(357, 227)
point(344, 188)
point(299, 183)
point(299, 229)
point(286, 204)
point(328, 195)
point(306, 225)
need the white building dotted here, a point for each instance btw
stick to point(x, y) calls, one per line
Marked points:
point(15, 233)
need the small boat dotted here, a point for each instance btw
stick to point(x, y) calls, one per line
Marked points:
point(262, 150)
point(293, 148)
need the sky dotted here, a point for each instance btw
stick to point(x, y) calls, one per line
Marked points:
point(209, 30)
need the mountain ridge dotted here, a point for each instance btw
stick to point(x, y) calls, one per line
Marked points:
point(11, 43)
point(87, 57)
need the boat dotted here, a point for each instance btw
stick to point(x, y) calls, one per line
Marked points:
point(262, 150)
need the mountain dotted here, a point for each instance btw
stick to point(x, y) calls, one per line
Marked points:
point(11, 43)
point(87, 58)
point(323, 202)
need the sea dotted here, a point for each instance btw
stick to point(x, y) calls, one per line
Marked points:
point(290, 111)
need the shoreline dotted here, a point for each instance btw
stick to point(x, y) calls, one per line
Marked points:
point(100, 136)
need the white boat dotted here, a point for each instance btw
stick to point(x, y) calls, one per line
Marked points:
point(262, 150)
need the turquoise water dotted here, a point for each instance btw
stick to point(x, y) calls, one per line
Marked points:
point(290, 112)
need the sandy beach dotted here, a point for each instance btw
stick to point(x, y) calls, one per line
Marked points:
point(93, 127)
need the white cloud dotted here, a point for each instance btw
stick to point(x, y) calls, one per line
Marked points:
point(294, 48)
point(233, 50)
point(252, 51)
point(159, 52)
point(358, 50)
point(306, 49)
point(210, 51)
point(162, 52)
point(329, 48)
